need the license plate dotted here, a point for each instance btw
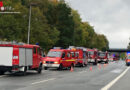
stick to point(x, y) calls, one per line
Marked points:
point(49, 65)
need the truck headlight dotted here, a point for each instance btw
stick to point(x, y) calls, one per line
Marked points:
point(56, 62)
point(44, 61)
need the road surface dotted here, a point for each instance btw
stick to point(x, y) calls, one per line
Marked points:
point(98, 77)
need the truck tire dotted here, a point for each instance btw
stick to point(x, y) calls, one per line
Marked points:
point(79, 64)
point(60, 67)
point(82, 65)
point(127, 64)
point(106, 62)
point(72, 65)
point(45, 68)
point(85, 64)
point(39, 70)
point(95, 63)
point(25, 71)
point(2, 72)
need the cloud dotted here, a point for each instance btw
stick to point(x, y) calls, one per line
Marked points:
point(109, 17)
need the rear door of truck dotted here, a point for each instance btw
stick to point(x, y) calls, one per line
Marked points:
point(6, 55)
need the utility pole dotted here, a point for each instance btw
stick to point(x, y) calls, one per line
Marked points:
point(29, 23)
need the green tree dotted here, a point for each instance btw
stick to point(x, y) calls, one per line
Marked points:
point(52, 24)
point(59, 16)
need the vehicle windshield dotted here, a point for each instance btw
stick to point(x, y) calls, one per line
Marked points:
point(101, 54)
point(54, 54)
point(91, 52)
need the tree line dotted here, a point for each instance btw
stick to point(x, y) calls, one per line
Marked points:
point(53, 23)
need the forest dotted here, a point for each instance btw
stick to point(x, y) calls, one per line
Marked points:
point(53, 24)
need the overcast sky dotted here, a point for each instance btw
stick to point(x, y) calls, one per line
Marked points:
point(109, 17)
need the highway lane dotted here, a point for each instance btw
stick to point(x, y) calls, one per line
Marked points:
point(81, 78)
point(123, 83)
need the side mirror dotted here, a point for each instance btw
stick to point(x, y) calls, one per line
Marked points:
point(63, 56)
point(43, 55)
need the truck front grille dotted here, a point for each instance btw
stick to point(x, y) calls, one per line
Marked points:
point(49, 62)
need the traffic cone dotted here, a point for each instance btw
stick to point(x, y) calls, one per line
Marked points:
point(105, 65)
point(72, 69)
point(90, 68)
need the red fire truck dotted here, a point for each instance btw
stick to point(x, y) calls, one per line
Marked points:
point(103, 57)
point(81, 57)
point(20, 58)
point(116, 57)
point(92, 56)
point(59, 58)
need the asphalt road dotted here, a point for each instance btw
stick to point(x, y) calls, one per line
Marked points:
point(82, 78)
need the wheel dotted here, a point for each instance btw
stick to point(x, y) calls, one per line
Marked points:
point(81, 65)
point(95, 63)
point(2, 72)
point(72, 65)
point(24, 71)
point(40, 68)
point(85, 64)
point(45, 68)
point(60, 67)
point(127, 64)
point(106, 62)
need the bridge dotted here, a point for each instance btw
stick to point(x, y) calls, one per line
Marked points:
point(118, 50)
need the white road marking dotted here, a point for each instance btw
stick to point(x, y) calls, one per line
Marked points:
point(115, 80)
point(82, 71)
point(117, 71)
point(43, 81)
point(3, 76)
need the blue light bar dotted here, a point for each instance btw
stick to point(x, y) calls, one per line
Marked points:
point(128, 53)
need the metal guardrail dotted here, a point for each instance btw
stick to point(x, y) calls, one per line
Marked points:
point(118, 50)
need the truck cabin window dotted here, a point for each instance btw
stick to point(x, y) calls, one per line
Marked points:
point(34, 50)
point(63, 55)
point(68, 54)
point(77, 54)
point(102, 54)
point(39, 51)
point(72, 53)
point(91, 52)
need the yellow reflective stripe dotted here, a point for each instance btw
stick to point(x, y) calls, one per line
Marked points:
point(69, 60)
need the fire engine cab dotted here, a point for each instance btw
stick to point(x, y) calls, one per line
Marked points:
point(92, 56)
point(103, 57)
point(59, 58)
point(20, 58)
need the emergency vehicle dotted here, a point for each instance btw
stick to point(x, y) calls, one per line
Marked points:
point(116, 56)
point(20, 58)
point(81, 57)
point(103, 57)
point(111, 57)
point(92, 56)
point(127, 59)
point(59, 58)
